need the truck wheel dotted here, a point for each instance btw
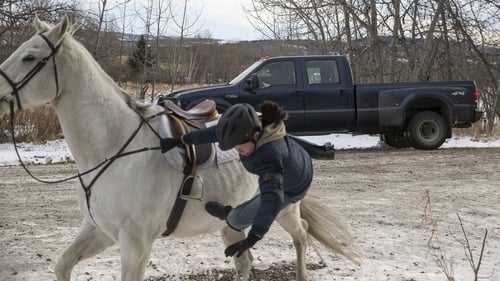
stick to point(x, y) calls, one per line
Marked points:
point(427, 130)
point(396, 140)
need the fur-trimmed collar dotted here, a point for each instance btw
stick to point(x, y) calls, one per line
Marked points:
point(271, 133)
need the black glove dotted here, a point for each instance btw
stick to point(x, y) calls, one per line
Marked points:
point(169, 143)
point(241, 246)
point(329, 151)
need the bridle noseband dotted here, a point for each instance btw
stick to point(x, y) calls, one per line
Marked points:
point(16, 86)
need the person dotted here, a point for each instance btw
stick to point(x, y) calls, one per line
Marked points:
point(283, 167)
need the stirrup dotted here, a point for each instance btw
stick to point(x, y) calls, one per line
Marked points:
point(196, 190)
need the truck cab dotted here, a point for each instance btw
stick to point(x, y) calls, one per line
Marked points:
point(313, 90)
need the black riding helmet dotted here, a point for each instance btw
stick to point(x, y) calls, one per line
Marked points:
point(237, 125)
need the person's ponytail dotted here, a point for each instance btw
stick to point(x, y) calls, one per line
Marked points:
point(272, 113)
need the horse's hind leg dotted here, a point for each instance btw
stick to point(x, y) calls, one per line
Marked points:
point(243, 263)
point(89, 242)
point(290, 220)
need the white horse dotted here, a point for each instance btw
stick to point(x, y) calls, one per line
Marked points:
point(131, 199)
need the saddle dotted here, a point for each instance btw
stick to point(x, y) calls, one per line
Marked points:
point(182, 122)
point(204, 111)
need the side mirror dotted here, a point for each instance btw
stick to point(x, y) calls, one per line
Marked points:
point(252, 83)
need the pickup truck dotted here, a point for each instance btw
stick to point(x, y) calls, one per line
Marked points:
point(321, 98)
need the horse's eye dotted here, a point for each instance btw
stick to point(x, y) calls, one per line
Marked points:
point(29, 58)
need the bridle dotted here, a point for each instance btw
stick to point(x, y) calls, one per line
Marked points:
point(16, 86)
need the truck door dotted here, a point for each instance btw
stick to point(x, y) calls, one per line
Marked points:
point(280, 82)
point(329, 105)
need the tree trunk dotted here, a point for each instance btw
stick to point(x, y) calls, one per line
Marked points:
point(395, 40)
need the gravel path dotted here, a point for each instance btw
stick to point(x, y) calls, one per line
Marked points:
point(402, 207)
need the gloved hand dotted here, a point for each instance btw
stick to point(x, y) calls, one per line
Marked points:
point(168, 143)
point(241, 246)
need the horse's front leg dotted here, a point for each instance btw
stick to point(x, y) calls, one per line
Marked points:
point(290, 220)
point(243, 263)
point(89, 242)
point(135, 249)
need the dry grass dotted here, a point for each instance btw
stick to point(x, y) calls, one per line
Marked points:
point(443, 261)
point(477, 131)
point(134, 89)
point(37, 125)
point(40, 124)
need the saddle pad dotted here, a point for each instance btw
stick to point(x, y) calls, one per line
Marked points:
point(177, 156)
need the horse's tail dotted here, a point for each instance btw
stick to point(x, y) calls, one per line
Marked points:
point(329, 231)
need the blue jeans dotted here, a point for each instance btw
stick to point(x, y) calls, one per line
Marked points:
point(242, 216)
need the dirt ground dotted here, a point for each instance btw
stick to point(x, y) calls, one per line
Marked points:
point(403, 208)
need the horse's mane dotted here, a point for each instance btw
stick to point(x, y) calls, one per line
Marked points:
point(135, 104)
point(132, 102)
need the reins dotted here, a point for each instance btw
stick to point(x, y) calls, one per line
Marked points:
point(16, 86)
point(174, 216)
point(105, 164)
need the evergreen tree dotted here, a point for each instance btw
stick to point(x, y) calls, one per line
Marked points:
point(142, 56)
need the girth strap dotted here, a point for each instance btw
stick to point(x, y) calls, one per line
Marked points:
point(189, 172)
point(180, 204)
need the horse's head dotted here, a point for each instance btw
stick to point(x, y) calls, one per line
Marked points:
point(28, 77)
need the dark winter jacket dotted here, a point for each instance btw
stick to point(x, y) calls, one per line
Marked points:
point(284, 169)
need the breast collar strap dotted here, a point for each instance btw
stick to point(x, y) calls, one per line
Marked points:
point(16, 86)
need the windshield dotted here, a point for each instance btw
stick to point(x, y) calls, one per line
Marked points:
point(246, 72)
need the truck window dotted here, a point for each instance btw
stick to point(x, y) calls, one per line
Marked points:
point(322, 72)
point(276, 73)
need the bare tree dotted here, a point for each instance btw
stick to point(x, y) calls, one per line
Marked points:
point(123, 9)
point(146, 16)
point(185, 26)
point(161, 23)
point(315, 20)
point(429, 47)
point(101, 11)
point(477, 26)
point(16, 18)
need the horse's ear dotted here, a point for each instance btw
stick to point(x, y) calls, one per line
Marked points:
point(40, 26)
point(58, 32)
point(74, 28)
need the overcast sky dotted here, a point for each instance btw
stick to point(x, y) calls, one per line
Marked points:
point(225, 19)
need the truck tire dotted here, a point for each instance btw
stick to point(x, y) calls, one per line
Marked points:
point(396, 140)
point(427, 130)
